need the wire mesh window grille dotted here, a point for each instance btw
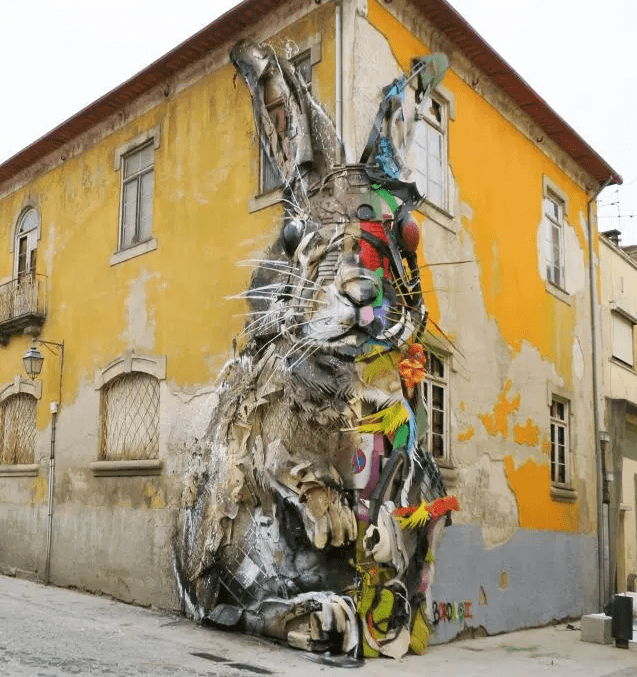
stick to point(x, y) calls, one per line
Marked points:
point(17, 429)
point(130, 418)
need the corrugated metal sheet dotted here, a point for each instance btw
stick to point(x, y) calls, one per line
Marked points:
point(229, 25)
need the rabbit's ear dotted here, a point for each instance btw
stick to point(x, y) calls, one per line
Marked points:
point(285, 130)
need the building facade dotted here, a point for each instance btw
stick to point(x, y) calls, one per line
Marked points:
point(618, 274)
point(122, 231)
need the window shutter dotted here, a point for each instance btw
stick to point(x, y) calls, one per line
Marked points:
point(623, 339)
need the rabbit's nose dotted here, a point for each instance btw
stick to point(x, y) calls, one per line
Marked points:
point(359, 285)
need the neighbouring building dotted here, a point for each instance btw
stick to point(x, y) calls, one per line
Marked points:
point(121, 232)
point(618, 275)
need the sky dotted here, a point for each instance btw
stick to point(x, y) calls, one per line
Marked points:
point(58, 56)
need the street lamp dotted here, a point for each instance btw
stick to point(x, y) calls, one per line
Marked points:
point(33, 360)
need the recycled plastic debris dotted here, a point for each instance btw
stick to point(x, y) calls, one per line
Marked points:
point(312, 510)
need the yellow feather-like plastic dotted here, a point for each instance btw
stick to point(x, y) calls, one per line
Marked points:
point(383, 364)
point(385, 421)
point(417, 518)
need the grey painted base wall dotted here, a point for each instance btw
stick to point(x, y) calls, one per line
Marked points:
point(536, 577)
point(123, 552)
point(533, 579)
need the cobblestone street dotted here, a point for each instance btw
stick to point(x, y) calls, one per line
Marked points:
point(51, 632)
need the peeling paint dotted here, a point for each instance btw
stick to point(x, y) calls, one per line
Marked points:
point(531, 484)
point(528, 434)
point(497, 423)
point(467, 434)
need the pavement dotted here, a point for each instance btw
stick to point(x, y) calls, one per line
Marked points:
point(50, 632)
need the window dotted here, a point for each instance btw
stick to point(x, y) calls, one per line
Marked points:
point(17, 429)
point(26, 244)
point(130, 417)
point(554, 215)
point(137, 196)
point(435, 392)
point(269, 175)
point(430, 145)
point(559, 413)
point(623, 341)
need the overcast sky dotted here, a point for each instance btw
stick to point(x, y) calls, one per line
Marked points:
point(57, 56)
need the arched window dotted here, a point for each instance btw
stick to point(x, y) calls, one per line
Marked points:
point(17, 429)
point(26, 243)
point(130, 417)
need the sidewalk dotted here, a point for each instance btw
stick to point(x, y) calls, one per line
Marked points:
point(50, 632)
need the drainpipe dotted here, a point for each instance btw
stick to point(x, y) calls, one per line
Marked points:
point(55, 407)
point(596, 391)
point(339, 79)
point(49, 531)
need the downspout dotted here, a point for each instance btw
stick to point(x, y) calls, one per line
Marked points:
point(596, 391)
point(55, 407)
point(339, 79)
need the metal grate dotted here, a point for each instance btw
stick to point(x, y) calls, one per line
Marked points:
point(130, 418)
point(17, 429)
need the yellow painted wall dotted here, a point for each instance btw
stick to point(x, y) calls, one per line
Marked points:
point(499, 173)
point(206, 171)
point(510, 167)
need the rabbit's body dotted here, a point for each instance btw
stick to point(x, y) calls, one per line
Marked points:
point(289, 524)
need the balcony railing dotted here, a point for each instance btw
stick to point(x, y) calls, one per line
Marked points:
point(22, 305)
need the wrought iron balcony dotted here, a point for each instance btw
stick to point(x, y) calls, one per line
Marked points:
point(22, 306)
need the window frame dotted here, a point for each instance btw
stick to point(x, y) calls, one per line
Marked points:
point(125, 151)
point(136, 178)
point(30, 237)
point(551, 192)
point(129, 362)
point(555, 269)
point(555, 424)
point(19, 386)
point(441, 128)
point(432, 380)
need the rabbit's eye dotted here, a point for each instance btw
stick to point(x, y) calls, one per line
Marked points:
point(293, 231)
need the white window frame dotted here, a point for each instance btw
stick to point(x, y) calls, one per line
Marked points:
point(30, 236)
point(433, 380)
point(554, 234)
point(435, 130)
point(557, 423)
point(148, 138)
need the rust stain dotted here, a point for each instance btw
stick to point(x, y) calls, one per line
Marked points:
point(467, 434)
point(531, 484)
point(497, 423)
point(528, 434)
